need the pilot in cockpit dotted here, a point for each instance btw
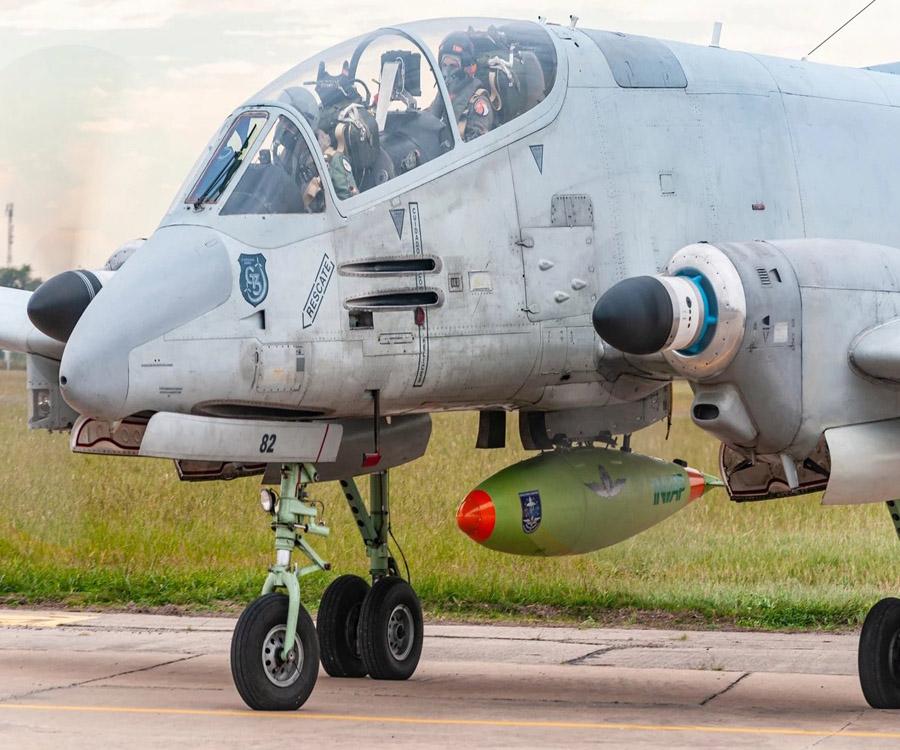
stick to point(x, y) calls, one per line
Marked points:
point(290, 153)
point(471, 99)
point(340, 103)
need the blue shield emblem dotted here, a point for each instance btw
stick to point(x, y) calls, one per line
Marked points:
point(531, 510)
point(254, 282)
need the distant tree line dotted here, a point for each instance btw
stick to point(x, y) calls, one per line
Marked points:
point(19, 278)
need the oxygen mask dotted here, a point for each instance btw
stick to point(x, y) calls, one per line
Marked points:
point(453, 74)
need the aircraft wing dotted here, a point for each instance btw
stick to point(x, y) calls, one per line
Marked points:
point(17, 333)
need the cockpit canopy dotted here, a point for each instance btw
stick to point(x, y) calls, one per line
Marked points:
point(378, 106)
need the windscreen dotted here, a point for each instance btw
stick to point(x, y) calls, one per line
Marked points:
point(236, 144)
point(281, 178)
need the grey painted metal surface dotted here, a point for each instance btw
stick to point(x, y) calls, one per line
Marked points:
point(639, 62)
point(215, 439)
point(864, 466)
point(18, 333)
point(875, 352)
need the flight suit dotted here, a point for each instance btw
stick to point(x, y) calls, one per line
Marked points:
point(477, 116)
point(341, 173)
point(471, 108)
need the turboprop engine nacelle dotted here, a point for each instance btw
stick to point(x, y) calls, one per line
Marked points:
point(792, 349)
point(694, 314)
point(576, 501)
point(56, 306)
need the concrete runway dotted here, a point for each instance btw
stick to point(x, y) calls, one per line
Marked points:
point(87, 680)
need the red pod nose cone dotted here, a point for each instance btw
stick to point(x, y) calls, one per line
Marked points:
point(701, 482)
point(476, 515)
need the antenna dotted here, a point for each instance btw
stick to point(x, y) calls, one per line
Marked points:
point(9, 234)
point(834, 33)
point(717, 34)
point(9, 239)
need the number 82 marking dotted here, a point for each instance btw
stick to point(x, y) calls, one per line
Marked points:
point(268, 443)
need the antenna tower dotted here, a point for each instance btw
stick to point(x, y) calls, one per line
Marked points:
point(9, 234)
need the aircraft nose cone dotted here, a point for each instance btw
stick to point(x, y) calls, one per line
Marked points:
point(94, 383)
point(179, 274)
point(477, 516)
point(56, 305)
point(635, 315)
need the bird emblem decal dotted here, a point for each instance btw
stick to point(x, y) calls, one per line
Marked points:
point(606, 487)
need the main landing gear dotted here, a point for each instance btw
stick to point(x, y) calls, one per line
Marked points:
point(361, 630)
point(879, 645)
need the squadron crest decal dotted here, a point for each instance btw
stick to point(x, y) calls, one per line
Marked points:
point(531, 510)
point(254, 282)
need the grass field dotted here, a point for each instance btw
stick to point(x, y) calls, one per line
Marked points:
point(88, 530)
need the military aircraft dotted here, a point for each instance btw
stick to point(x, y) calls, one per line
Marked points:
point(500, 216)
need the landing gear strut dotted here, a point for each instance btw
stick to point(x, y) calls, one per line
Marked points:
point(360, 630)
point(388, 632)
point(879, 646)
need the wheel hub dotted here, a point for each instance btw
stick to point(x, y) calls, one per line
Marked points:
point(401, 632)
point(281, 671)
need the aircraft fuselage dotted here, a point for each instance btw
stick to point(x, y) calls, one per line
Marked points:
point(469, 282)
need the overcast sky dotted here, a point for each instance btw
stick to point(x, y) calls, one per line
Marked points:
point(105, 105)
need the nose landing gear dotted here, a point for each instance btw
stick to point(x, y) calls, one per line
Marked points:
point(360, 629)
point(267, 676)
point(274, 649)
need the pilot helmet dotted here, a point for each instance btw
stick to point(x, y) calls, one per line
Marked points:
point(285, 151)
point(457, 53)
point(303, 101)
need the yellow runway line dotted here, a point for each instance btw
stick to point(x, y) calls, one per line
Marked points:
point(39, 619)
point(303, 716)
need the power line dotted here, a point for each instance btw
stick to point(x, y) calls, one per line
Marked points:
point(841, 28)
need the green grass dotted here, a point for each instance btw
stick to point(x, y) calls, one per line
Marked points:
point(92, 530)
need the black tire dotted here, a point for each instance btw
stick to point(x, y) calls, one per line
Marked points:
point(264, 681)
point(390, 630)
point(879, 655)
point(338, 626)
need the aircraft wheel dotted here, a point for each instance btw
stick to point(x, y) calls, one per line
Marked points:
point(264, 680)
point(338, 626)
point(390, 630)
point(879, 655)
